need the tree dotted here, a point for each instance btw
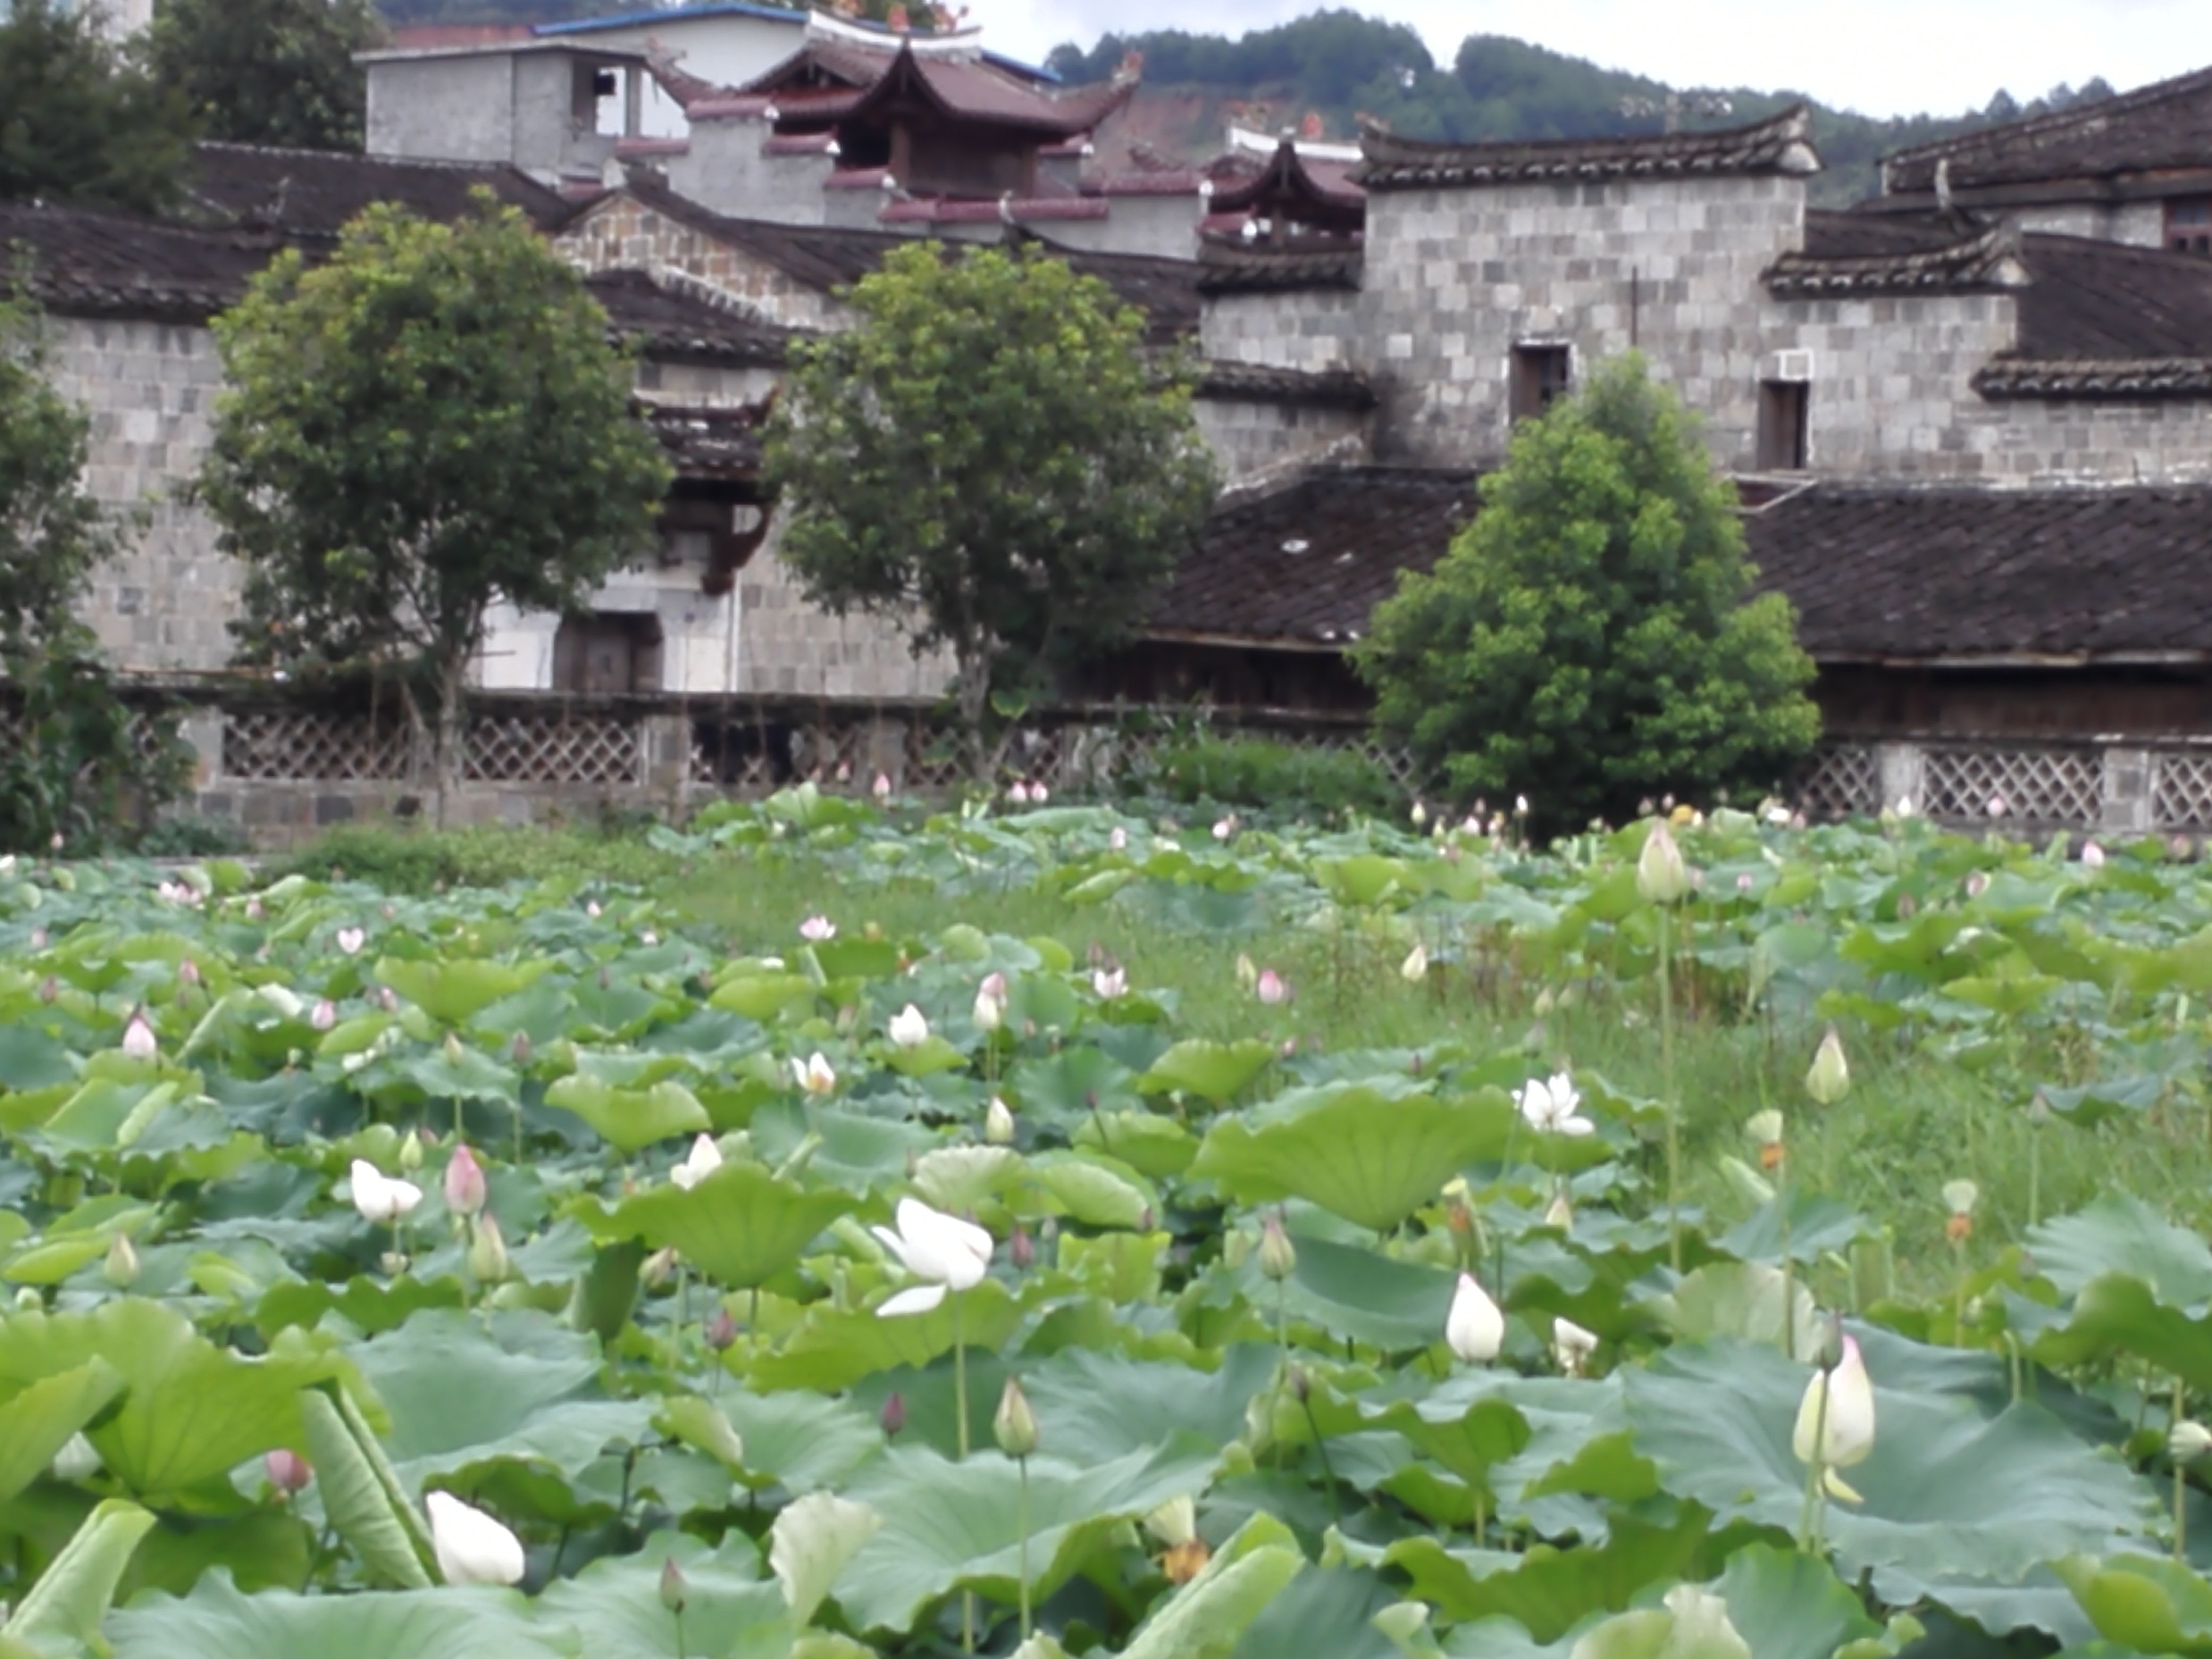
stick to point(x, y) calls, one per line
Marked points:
point(989, 459)
point(269, 71)
point(71, 767)
point(78, 122)
point(1589, 639)
point(433, 420)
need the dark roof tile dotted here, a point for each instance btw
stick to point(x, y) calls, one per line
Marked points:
point(2162, 127)
point(1780, 143)
point(316, 192)
point(2093, 298)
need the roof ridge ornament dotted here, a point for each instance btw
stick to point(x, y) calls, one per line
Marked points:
point(1782, 144)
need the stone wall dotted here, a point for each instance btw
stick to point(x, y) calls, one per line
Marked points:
point(2140, 223)
point(1250, 434)
point(149, 388)
point(1892, 381)
point(2051, 440)
point(443, 109)
point(786, 647)
point(1456, 278)
point(1303, 328)
point(623, 234)
point(730, 169)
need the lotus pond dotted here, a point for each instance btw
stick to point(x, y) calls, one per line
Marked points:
point(799, 1262)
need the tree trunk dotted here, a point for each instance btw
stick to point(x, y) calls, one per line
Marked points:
point(452, 698)
point(972, 694)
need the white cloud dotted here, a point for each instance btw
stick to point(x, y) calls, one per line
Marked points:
point(1881, 57)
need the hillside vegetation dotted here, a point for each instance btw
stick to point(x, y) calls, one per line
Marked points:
point(1339, 66)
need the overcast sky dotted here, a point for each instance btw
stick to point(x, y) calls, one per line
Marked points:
point(1881, 57)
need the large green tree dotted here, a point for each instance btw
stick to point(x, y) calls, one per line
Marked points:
point(269, 71)
point(79, 121)
point(1590, 638)
point(990, 459)
point(431, 421)
point(69, 764)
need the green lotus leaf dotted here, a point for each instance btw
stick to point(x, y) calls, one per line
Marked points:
point(833, 1349)
point(812, 1542)
point(801, 1442)
point(217, 1621)
point(38, 1420)
point(71, 1597)
point(630, 1118)
point(1371, 1160)
point(615, 1607)
point(949, 1526)
point(1950, 1487)
point(1217, 1071)
point(2148, 1603)
point(740, 1226)
point(1208, 1618)
point(453, 990)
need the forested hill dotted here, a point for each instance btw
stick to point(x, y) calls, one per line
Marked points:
point(1337, 64)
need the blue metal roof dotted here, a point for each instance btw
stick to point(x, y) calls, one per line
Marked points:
point(632, 18)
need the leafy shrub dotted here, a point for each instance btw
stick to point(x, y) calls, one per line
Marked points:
point(1265, 772)
point(404, 860)
point(189, 835)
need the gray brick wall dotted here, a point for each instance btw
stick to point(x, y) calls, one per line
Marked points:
point(1250, 436)
point(149, 389)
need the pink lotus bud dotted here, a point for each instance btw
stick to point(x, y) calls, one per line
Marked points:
point(286, 1470)
point(1020, 794)
point(1117, 839)
point(882, 788)
point(519, 1049)
point(49, 989)
point(388, 999)
point(324, 1015)
point(722, 1331)
point(1021, 1249)
point(464, 1182)
point(138, 1040)
point(893, 1415)
point(351, 939)
point(188, 971)
point(1271, 988)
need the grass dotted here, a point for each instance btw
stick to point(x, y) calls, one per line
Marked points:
point(1911, 1123)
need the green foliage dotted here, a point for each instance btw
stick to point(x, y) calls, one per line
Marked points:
point(988, 458)
point(1266, 773)
point(431, 420)
point(422, 861)
point(84, 123)
point(269, 71)
point(1588, 639)
point(74, 768)
point(1339, 66)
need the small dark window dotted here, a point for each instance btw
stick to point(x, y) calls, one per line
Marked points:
point(1539, 376)
point(2188, 223)
point(607, 651)
point(1782, 405)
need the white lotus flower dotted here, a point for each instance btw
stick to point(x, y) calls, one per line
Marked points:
point(704, 1158)
point(817, 929)
point(950, 1254)
point(380, 1197)
point(1038, 794)
point(2092, 856)
point(324, 1015)
point(1117, 839)
point(138, 1040)
point(1020, 794)
point(1224, 828)
point(908, 1028)
point(998, 1123)
point(1474, 1330)
point(1553, 1108)
point(1841, 1433)
point(351, 939)
point(1572, 1345)
point(814, 1075)
point(990, 1010)
point(473, 1548)
point(1414, 969)
point(882, 788)
point(1109, 982)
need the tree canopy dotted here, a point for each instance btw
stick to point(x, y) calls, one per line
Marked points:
point(269, 71)
point(989, 459)
point(433, 420)
point(1591, 638)
point(81, 122)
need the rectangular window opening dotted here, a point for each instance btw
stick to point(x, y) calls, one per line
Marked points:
point(1540, 377)
point(2188, 223)
point(1782, 425)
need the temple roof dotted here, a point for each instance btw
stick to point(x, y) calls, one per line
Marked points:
point(1290, 176)
point(1229, 264)
point(1782, 144)
point(1966, 261)
point(2157, 129)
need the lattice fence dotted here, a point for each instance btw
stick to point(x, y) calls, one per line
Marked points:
point(555, 748)
point(2181, 790)
point(1842, 781)
point(317, 745)
point(2033, 785)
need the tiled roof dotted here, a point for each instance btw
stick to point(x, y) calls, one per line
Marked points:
point(710, 443)
point(1909, 575)
point(1302, 567)
point(826, 258)
point(1856, 234)
point(1919, 574)
point(969, 211)
point(1780, 143)
point(1290, 176)
point(1988, 258)
point(667, 324)
point(1229, 264)
point(2160, 127)
point(1224, 377)
point(2094, 299)
point(315, 192)
point(831, 80)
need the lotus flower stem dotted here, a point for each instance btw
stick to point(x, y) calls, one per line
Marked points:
point(1810, 1517)
point(1327, 1471)
point(2181, 1483)
point(960, 1375)
point(1789, 1267)
point(1674, 1104)
point(1022, 1464)
point(2035, 1175)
